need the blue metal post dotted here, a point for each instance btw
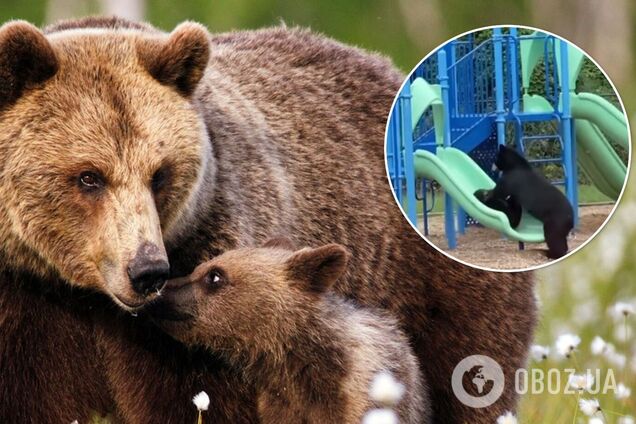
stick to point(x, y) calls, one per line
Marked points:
point(397, 146)
point(457, 99)
point(471, 76)
point(514, 71)
point(499, 87)
point(406, 132)
point(452, 79)
point(449, 215)
point(566, 128)
point(390, 155)
point(461, 220)
point(394, 140)
point(575, 175)
point(425, 205)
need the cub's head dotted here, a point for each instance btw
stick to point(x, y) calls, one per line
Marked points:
point(508, 159)
point(249, 293)
point(101, 151)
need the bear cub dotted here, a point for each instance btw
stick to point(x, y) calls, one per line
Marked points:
point(509, 206)
point(534, 193)
point(310, 354)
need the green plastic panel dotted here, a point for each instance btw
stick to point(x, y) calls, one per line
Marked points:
point(425, 95)
point(531, 51)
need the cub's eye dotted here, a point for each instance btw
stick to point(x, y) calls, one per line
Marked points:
point(160, 179)
point(91, 181)
point(215, 278)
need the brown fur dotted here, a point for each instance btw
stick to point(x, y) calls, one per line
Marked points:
point(311, 355)
point(26, 60)
point(283, 135)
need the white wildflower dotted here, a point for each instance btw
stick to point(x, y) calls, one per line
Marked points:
point(380, 416)
point(626, 214)
point(386, 390)
point(507, 418)
point(596, 420)
point(567, 343)
point(626, 420)
point(582, 382)
point(622, 333)
point(589, 406)
point(537, 299)
point(585, 312)
point(598, 346)
point(620, 310)
point(580, 283)
point(202, 401)
point(616, 359)
point(611, 248)
point(623, 392)
point(539, 353)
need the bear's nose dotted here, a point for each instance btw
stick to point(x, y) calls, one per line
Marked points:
point(149, 269)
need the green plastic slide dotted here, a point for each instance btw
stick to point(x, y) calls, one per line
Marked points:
point(603, 114)
point(594, 117)
point(460, 177)
point(425, 95)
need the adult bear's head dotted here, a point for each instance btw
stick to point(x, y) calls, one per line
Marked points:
point(508, 159)
point(101, 150)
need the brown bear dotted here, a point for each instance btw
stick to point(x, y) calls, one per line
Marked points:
point(128, 155)
point(311, 355)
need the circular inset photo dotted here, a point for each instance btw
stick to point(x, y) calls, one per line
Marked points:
point(507, 148)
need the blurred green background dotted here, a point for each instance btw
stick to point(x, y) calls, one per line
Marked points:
point(576, 293)
point(405, 30)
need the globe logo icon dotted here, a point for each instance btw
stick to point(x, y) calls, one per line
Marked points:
point(480, 380)
point(487, 379)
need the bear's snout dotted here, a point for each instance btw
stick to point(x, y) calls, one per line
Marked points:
point(149, 269)
point(177, 303)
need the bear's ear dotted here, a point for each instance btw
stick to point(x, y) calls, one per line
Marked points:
point(179, 60)
point(315, 270)
point(280, 243)
point(26, 59)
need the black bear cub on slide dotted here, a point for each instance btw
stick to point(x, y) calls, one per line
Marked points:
point(509, 205)
point(519, 183)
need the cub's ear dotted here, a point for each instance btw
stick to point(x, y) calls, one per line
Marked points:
point(178, 60)
point(316, 270)
point(26, 59)
point(280, 243)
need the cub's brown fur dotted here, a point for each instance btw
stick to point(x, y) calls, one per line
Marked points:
point(282, 134)
point(311, 355)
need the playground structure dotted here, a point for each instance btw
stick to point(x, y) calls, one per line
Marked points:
point(467, 98)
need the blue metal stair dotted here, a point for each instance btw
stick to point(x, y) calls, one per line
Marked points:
point(467, 133)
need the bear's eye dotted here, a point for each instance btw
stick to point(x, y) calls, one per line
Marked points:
point(90, 181)
point(160, 179)
point(215, 278)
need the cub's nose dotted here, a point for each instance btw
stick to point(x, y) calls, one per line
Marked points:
point(149, 269)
